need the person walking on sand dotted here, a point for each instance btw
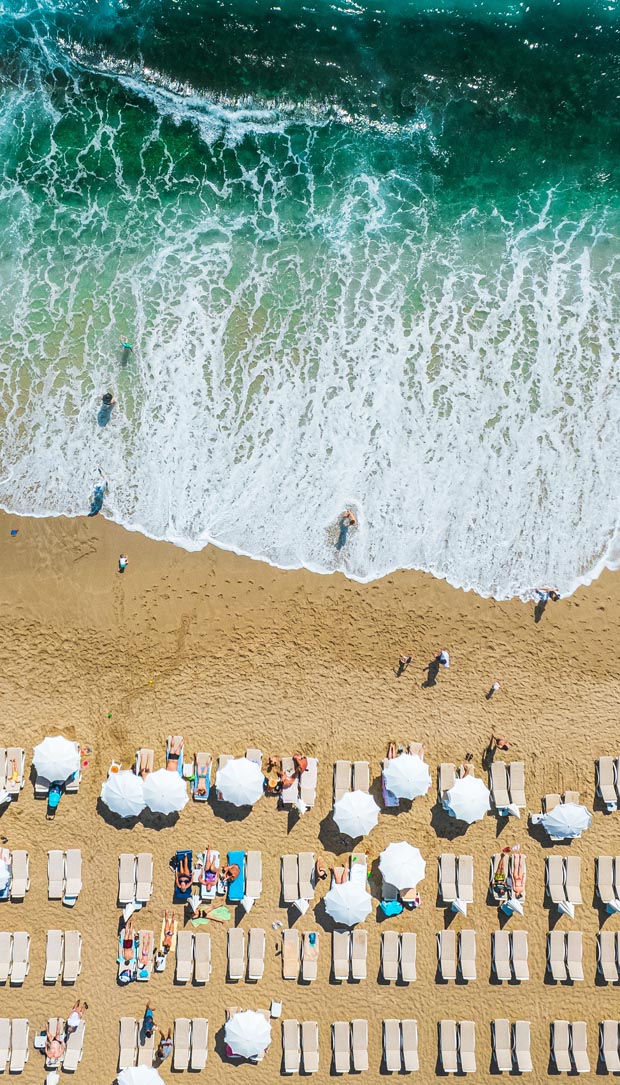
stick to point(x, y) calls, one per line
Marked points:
point(123, 562)
point(403, 663)
point(494, 688)
point(148, 1021)
point(500, 743)
point(443, 658)
point(76, 1015)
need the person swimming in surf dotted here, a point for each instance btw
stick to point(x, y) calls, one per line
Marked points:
point(347, 520)
point(105, 410)
point(126, 345)
point(98, 495)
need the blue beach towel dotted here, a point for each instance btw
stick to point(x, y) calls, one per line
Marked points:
point(236, 889)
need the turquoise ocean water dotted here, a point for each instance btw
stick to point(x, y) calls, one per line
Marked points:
point(368, 256)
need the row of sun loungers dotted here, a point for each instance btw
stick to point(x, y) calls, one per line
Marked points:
point(236, 954)
point(19, 877)
point(511, 1046)
point(456, 878)
point(607, 769)
point(298, 877)
point(449, 962)
point(400, 1046)
point(64, 875)
point(190, 1044)
point(14, 956)
point(193, 957)
point(300, 1043)
point(351, 776)
point(135, 877)
point(14, 1050)
point(12, 769)
point(564, 956)
point(507, 785)
point(349, 950)
point(398, 956)
point(569, 1047)
point(510, 956)
point(300, 951)
point(457, 1046)
point(350, 1046)
point(63, 955)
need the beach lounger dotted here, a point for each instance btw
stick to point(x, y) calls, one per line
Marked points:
point(572, 873)
point(574, 955)
point(465, 878)
point(556, 955)
point(253, 874)
point(305, 866)
point(20, 1033)
point(236, 953)
point(73, 876)
point(144, 877)
point(560, 1044)
point(289, 796)
point(127, 1042)
point(72, 959)
point(467, 955)
point(605, 878)
point(145, 955)
point(391, 1046)
point(572, 796)
point(126, 878)
point(341, 948)
point(361, 776)
point(200, 1040)
point(467, 1046)
point(579, 1047)
point(446, 780)
point(341, 1046)
point(446, 954)
point(20, 960)
point(182, 1043)
point(291, 1048)
point(409, 1030)
point(290, 954)
point(6, 951)
point(342, 779)
point(236, 888)
point(502, 1046)
point(149, 756)
point(201, 777)
point(501, 955)
point(53, 956)
point(550, 802)
point(290, 878)
point(146, 1049)
point(448, 1046)
point(498, 784)
point(3, 766)
point(202, 957)
point(607, 956)
point(521, 1046)
point(185, 956)
point(309, 956)
point(256, 953)
point(55, 874)
point(256, 756)
point(359, 950)
point(390, 952)
point(308, 782)
point(408, 951)
point(20, 875)
point(359, 1044)
point(447, 878)
point(610, 1040)
point(310, 1046)
point(516, 784)
point(5, 1042)
point(182, 856)
point(14, 783)
point(74, 1049)
point(606, 782)
point(520, 956)
point(555, 878)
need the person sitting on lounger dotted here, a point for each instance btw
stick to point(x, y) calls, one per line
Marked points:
point(202, 775)
point(54, 1046)
point(168, 930)
point(230, 873)
point(272, 781)
point(143, 767)
point(341, 874)
point(129, 941)
point(14, 774)
point(183, 876)
point(300, 762)
point(321, 869)
point(174, 753)
point(210, 870)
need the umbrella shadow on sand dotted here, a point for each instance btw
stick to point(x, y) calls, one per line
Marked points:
point(445, 826)
point(115, 820)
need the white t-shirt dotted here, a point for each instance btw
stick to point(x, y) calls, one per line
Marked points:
point(73, 1019)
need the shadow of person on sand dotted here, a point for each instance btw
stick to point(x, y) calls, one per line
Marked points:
point(432, 671)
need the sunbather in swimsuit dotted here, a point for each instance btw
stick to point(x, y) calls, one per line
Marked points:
point(168, 929)
point(128, 942)
point(518, 875)
point(230, 873)
point(300, 762)
point(147, 949)
point(341, 875)
point(183, 877)
point(172, 762)
point(210, 870)
point(14, 775)
point(54, 1046)
point(202, 773)
point(143, 767)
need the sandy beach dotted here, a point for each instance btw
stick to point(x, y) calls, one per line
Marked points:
point(231, 653)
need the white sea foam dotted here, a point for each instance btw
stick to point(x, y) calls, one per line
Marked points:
point(307, 339)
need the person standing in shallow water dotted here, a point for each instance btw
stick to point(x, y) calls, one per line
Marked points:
point(347, 520)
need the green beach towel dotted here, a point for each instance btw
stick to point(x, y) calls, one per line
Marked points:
point(218, 913)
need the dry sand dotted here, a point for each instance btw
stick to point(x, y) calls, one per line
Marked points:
point(231, 653)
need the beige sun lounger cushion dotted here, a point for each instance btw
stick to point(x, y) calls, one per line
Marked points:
point(6, 950)
point(409, 1029)
point(289, 795)
point(610, 1041)
point(185, 956)
point(556, 955)
point(128, 1042)
point(448, 1046)
point(74, 1049)
point(555, 878)
point(200, 1039)
point(572, 872)
point(253, 874)
point(499, 785)
point(126, 878)
point(202, 957)
point(341, 950)
point(606, 780)
point(501, 955)
point(310, 957)
point(342, 779)
point(182, 1043)
point(290, 954)
point(520, 956)
point(446, 954)
point(467, 1046)
point(359, 1044)
point(17, 755)
point(5, 1042)
point(447, 877)
point(146, 1049)
point(20, 965)
point(53, 956)
point(608, 956)
point(305, 865)
point(308, 781)
point(465, 878)
point(408, 952)
point(467, 954)
point(579, 1047)
point(73, 875)
point(236, 953)
point(20, 1032)
point(560, 1046)
point(605, 878)
point(256, 953)
point(20, 874)
point(521, 1042)
point(551, 801)
point(55, 874)
point(291, 1048)
point(72, 961)
point(290, 878)
point(516, 784)
point(361, 776)
point(391, 1046)
point(390, 948)
point(574, 955)
point(310, 1046)
point(342, 1047)
point(144, 877)
point(502, 1045)
point(359, 949)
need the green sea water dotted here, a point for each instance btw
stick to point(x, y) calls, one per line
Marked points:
point(367, 256)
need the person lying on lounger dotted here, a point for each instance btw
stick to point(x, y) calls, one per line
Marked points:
point(54, 1046)
point(230, 873)
point(14, 775)
point(143, 767)
point(168, 930)
point(175, 751)
point(183, 875)
point(210, 870)
point(146, 951)
point(202, 775)
point(129, 941)
point(341, 874)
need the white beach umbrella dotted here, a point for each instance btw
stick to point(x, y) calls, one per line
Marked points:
point(407, 776)
point(5, 874)
point(513, 810)
point(567, 820)
point(468, 799)
point(402, 865)
point(348, 903)
point(356, 813)
point(459, 906)
point(140, 1075)
point(566, 908)
point(165, 792)
point(513, 905)
point(123, 794)
point(613, 906)
point(240, 782)
point(247, 1034)
point(56, 758)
